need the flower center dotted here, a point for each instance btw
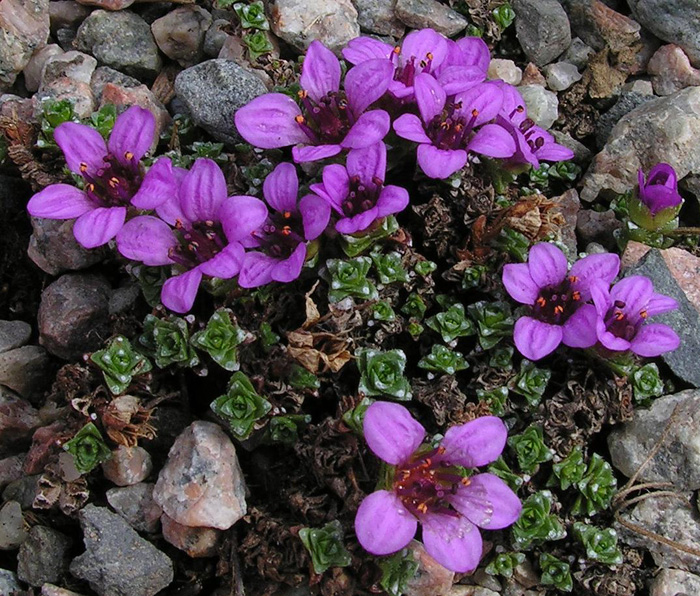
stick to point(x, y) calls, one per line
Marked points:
point(114, 183)
point(327, 121)
point(620, 324)
point(406, 73)
point(281, 234)
point(450, 129)
point(555, 304)
point(531, 135)
point(362, 197)
point(424, 483)
point(198, 244)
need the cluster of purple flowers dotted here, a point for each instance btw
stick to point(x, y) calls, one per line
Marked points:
point(580, 308)
point(433, 89)
point(428, 485)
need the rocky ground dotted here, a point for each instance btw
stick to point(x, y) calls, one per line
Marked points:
point(181, 507)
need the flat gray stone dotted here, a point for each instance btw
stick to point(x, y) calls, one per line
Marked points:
point(14, 334)
point(420, 14)
point(542, 28)
point(377, 16)
point(672, 582)
point(26, 370)
point(43, 556)
point(8, 583)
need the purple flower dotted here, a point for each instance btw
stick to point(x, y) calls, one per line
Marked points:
point(660, 191)
point(446, 130)
point(559, 313)
point(283, 238)
point(533, 144)
point(209, 228)
point(329, 120)
point(428, 487)
point(357, 192)
point(622, 313)
point(113, 175)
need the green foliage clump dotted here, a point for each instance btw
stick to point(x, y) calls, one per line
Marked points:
point(451, 323)
point(504, 564)
point(531, 382)
point(381, 373)
point(530, 449)
point(536, 522)
point(442, 359)
point(494, 321)
point(397, 571)
point(348, 278)
point(647, 383)
point(168, 341)
point(325, 545)
point(389, 267)
point(240, 407)
point(87, 448)
point(120, 363)
point(601, 545)
point(555, 573)
point(221, 339)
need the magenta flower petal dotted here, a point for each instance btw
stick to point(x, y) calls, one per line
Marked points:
point(609, 340)
point(548, 265)
point(485, 98)
point(159, 184)
point(289, 269)
point(660, 197)
point(579, 331)
point(281, 187)
point(80, 144)
point(362, 49)
point(240, 216)
point(658, 304)
point(535, 339)
point(422, 44)
point(600, 294)
point(454, 542)
point(357, 223)
point(391, 432)
point(268, 122)
point(256, 270)
point(315, 215)
point(171, 211)
point(335, 187)
point(475, 443)
point(392, 199)
point(409, 126)
point(634, 291)
point(430, 96)
point(519, 284)
point(440, 163)
point(487, 502)
point(146, 239)
point(202, 191)
point(554, 152)
point(320, 73)
point(654, 339)
point(370, 128)
point(314, 153)
point(367, 82)
point(225, 264)
point(456, 79)
point(99, 226)
point(604, 267)
point(368, 162)
point(475, 52)
point(492, 140)
point(132, 134)
point(59, 201)
point(383, 525)
point(178, 293)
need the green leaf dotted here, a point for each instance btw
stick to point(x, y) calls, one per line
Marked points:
point(474, 277)
point(389, 267)
point(397, 571)
point(494, 322)
point(382, 311)
point(268, 338)
point(530, 449)
point(600, 545)
point(504, 564)
point(382, 373)
point(504, 16)
point(500, 468)
point(151, 280)
point(495, 398)
point(451, 324)
point(355, 417)
point(414, 306)
point(555, 573)
point(536, 522)
point(325, 545)
point(87, 448)
point(502, 358)
point(241, 407)
point(514, 243)
point(349, 279)
point(415, 329)
point(103, 120)
point(647, 383)
point(597, 487)
point(285, 429)
point(221, 339)
point(120, 363)
point(300, 378)
point(53, 113)
point(356, 244)
point(571, 469)
point(258, 43)
point(425, 268)
point(442, 359)
point(167, 341)
point(531, 382)
point(252, 15)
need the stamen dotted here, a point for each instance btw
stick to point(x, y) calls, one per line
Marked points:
point(299, 119)
point(83, 167)
point(541, 301)
point(558, 309)
point(128, 155)
point(619, 316)
point(573, 279)
point(643, 313)
point(576, 295)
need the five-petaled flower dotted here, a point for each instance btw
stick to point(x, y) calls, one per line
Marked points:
point(207, 234)
point(114, 177)
point(329, 120)
point(429, 486)
point(557, 297)
point(622, 314)
point(282, 241)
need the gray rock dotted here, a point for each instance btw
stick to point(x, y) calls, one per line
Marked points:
point(628, 101)
point(25, 370)
point(597, 226)
point(43, 556)
point(122, 40)
point(662, 130)
point(377, 16)
point(180, 34)
point(32, 72)
point(641, 86)
point(117, 561)
point(542, 28)
point(12, 532)
point(567, 206)
point(599, 26)
point(22, 490)
point(459, 590)
point(24, 27)
point(8, 583)
point(136, 505)
point(73, 315)
point(66, 14)
point(674, 582)
point(299, 22)
point(213, 91)
point(674, 21)
point(79, 94)
point(578, 53)
point(51, 590)
point(54, 249)
point(561, 75)
point(11, 469)
point(678, 459)
point(430, 13)
point(14, 334)
point(18, 418)
point(582, 154)
point(542, 105)
point(215, 37)
point(73, 65)
point(674, 519)
point(104, 75)
point(431, 577)
point(685, 321)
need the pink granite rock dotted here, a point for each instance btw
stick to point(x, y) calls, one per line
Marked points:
point(671, 70)
point(127, 466)
point(24, 27)
point(196, 542)
point(180, 34)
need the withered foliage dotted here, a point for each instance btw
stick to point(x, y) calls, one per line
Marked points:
point(56, 488)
